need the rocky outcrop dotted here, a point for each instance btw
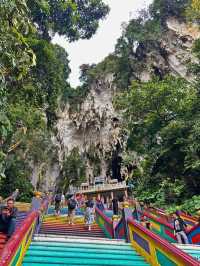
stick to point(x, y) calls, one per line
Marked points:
point(173, 52)
point(94, 128)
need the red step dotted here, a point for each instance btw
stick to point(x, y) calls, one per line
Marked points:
point(3, 240)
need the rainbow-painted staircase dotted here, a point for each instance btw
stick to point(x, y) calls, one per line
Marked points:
point(59, 243)
point(55, 242)
point(52, 250)
point(58, 225)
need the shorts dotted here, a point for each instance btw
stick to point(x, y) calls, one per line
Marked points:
point(71, 211)
point(57, 205)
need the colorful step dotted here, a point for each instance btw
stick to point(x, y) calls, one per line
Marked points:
point(58, 225)
point(63, 211)
point(49, 250)
point(192, 250)
point(3, 240)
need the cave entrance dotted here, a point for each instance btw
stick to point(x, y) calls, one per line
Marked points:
point(116, 167)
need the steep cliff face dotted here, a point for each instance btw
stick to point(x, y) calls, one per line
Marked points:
point(173, 52)
point(93, 128)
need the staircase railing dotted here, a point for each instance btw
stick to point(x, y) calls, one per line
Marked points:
point(161, 213)
point(119, 230)
point(194, 234)
point(14, 251)
point(157, 251)
point(105, 223)
point(161, 227)
point(166, 230)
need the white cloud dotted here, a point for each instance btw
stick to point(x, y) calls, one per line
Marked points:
point(103, 43)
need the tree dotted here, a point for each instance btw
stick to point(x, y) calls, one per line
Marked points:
point(33, 79)
point(162, 119)
point(73, 19)
point(163, 9)
point(73, 171)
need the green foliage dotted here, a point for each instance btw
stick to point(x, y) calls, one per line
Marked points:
point(16, 173)
point(73, 19)
point(73, 170)
point(191, 205)
point(166, 193)
point(33, 81)
point(16, 57)
point(162, 9)
point(162, 118)
point(139, 36)
point(51, 72)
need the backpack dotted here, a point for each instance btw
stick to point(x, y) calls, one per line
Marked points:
point(90, 204)
point(58, 197)
point(181, 225)
point(72, 204)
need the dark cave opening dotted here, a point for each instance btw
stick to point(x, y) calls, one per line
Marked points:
point(116, 168)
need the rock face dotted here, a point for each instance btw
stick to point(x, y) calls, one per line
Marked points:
point(172, 54)
point(95, 127)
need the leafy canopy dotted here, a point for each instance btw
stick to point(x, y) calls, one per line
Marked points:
point(74, 19)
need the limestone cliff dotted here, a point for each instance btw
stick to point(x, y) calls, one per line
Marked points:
point(173, 52)
point(95, 126)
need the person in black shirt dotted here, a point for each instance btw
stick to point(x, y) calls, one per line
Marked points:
point(72, 204)
point(115, 204)
point(57, 200)
point(8, 218)
point(179, 229)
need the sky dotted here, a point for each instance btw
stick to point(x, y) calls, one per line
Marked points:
point(103, 42)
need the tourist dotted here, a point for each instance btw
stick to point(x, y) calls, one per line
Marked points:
point(57, 200)
point(115, 204)
point(62, 200)
point(99, 203)
point(36, 201)
point(180, 229)
point(8, 218)
point(72, 204)
point(145, 222)
point(138, 210)
point(89, 213)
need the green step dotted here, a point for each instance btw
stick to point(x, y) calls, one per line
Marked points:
point(81, 249)
point(87, 245)
point(65, 254)
point(194, 253)
point(66, 264)
point(77, 261)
